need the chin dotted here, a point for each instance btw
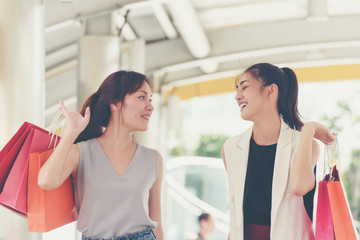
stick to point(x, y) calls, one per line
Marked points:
point(245, 117)
point(142, 129)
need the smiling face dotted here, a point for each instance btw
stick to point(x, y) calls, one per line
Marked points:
point(250, 96)
point(137, 108)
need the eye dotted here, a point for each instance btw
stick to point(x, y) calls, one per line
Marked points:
point(142, 97)
point(245, 87)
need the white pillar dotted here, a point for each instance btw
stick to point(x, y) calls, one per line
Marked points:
point(99, 56)
point(22, 86)
point(137, 55)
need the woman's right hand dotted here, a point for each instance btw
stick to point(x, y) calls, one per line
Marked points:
point(76, 123)
point(320, 132)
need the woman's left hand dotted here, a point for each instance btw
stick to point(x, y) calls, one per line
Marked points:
point(320, 132)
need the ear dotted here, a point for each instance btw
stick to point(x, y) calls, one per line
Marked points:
point(115, 106)
point(272, 90)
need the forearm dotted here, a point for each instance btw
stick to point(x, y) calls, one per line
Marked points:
point(53, 173)
point(302, 177)
point(159, 233)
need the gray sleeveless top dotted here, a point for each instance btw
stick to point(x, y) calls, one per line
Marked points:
point(110, 205)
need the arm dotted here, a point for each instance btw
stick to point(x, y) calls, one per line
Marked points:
point(155, 201)
point(302, 177)
point(64, 160)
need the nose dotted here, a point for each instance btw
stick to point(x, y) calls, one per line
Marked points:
point(149, 107)
point(238, 95)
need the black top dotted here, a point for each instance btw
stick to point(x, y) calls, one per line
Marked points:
point(258, 185)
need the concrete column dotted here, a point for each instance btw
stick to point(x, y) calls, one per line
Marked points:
point(99, 56)
point(137, 55)
point(22, 86)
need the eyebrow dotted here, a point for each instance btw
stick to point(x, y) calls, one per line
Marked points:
point(143, 91)
point(243, 82)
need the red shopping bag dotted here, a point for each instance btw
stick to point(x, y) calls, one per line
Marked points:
point(9, 153)
point(14, 191)
point(342, 218)
point(48, 210)
point(324, 224)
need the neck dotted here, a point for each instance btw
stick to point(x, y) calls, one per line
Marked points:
point(117, 137)
point(203, 234)
point(267, 130)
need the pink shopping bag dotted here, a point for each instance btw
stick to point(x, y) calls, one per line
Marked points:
point(9, 153)
point(324, 224)
point(14, 193)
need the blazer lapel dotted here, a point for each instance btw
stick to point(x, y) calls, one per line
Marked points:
point(281, 168)
point(240, 169)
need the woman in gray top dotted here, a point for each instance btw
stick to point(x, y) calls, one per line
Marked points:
point(117, 182)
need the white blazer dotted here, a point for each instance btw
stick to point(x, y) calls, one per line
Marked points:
point(289, 219)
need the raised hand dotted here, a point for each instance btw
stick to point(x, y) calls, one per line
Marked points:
point(76, 123)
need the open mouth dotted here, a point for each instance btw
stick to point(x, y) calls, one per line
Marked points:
point(242, 105)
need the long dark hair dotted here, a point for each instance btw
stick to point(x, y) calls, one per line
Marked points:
point(113, 90)
point(287, 83)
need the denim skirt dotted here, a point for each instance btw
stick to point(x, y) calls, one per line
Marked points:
point(146, 234)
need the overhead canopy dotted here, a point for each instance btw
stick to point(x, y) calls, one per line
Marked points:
point(306, 74)
point(197, 47)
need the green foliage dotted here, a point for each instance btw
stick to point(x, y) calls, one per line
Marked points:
point(333, 121)
point(210, 145)
point(178, 151)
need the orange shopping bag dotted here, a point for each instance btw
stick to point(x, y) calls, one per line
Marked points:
point(344, 227)
point(48, 210)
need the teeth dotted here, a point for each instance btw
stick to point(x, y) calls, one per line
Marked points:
point(243, 105)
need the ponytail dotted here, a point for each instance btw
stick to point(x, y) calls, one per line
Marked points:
point(94, 129)
point(288, 100)
point(286, 81)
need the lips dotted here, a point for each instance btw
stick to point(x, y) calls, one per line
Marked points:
point(146, 116)
point(242, 105)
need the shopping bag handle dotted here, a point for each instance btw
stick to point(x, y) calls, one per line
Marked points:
point(57, 127)
point(332, 158)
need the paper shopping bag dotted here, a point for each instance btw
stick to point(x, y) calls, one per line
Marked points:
point(48, 210)
point(9, 153)
point(14, 191)
point(344, 227)
point(324, 224)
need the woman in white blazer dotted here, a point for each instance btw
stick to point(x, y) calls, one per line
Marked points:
point(271, 165)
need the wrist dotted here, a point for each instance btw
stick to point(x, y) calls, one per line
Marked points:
point(309, 128)
point(71, 134)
